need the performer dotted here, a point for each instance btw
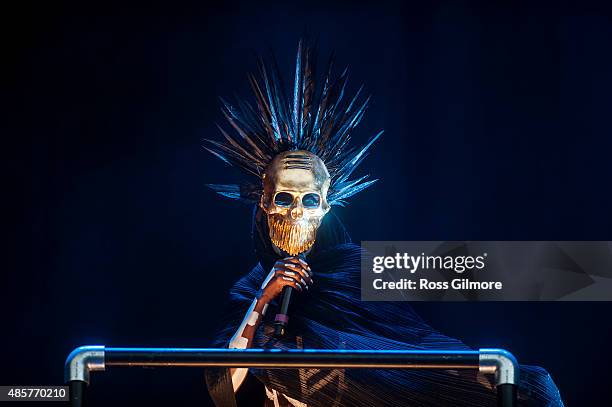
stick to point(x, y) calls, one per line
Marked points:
point(299, 155)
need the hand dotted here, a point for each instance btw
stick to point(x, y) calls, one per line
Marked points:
point(290, 271)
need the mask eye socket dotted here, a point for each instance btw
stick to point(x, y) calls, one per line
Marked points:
point(283, 199)
point(311, 201)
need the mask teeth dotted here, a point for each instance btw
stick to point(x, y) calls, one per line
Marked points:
point(293, 238)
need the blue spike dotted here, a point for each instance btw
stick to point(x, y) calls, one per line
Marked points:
point(271, 103)
point(297, 87)
point(231, 191)
point(356, 189)
point(341, 187)
point(352, 164)
point(224, 187)
point(218, 155)
point(323, 98)
point(350, 106)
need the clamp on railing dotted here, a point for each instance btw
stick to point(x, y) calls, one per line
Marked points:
point(500, 363)
point(83, 360)
point(504, 366)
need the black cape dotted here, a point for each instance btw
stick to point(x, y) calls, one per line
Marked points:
point(332, 316)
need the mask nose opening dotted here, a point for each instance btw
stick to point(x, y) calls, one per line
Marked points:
point(297, 209)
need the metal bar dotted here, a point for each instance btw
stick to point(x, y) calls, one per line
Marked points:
point(77, 389)
point(281, 359)
point(488, 361)
point(506, 395)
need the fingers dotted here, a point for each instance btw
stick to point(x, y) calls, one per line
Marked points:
point(297, 264)
point(298, 261)
point(294, 270)
point(290, 281)
point(283, 272)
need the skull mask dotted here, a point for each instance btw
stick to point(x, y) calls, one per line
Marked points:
point(294, 197)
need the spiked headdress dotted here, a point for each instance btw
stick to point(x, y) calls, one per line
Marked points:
point(318, 120)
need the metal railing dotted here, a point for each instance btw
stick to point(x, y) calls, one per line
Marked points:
point(86, 359)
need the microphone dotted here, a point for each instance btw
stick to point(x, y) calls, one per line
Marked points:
point(281, 320)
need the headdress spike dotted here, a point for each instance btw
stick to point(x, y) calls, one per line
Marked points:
point(320, 122)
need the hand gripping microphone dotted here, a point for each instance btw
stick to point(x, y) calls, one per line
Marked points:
point(281, 320)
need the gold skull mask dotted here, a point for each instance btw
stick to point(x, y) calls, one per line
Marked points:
point(294, 197)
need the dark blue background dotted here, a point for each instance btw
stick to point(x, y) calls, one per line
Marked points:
point(497, 120)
